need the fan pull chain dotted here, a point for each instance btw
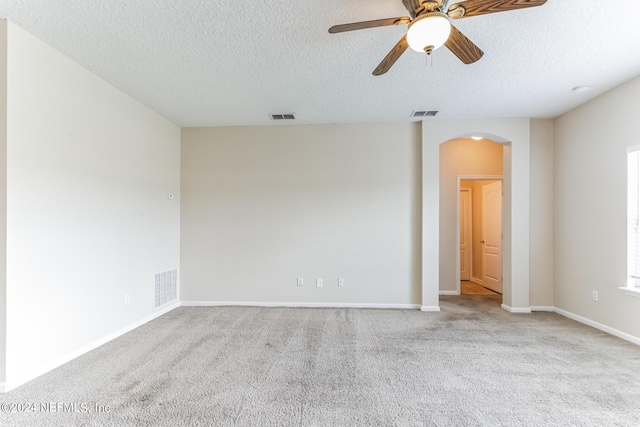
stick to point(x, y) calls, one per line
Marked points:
point(428, 61)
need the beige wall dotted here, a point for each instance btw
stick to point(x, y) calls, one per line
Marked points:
point(542, 252)
point(264, 205)
point(88, 217)
point(460, 157)
point(590, 208)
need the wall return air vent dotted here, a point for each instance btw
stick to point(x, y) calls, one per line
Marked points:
point(424, 113)
point(288, 116)
point(165, 288)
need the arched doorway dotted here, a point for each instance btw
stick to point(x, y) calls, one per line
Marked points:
point(514, 135)
point(465, 162)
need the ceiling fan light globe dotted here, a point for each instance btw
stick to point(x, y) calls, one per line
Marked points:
point(431, 29)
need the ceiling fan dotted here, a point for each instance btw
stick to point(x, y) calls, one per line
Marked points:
point(430, 27)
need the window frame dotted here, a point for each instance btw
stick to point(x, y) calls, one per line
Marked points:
point(633, 199)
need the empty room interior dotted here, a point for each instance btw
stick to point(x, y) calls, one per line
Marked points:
point(244, 213)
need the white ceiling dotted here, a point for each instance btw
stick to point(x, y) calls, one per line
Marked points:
point(215, 63)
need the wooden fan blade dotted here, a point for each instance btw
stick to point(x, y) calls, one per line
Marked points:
point(392, 57)
point(482, 7)
point(462, 47)
point(369, 24)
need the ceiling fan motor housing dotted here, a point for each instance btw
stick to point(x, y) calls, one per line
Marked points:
point(416, 7)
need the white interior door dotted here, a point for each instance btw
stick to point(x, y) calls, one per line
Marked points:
point(492, 236)
point(465, 234)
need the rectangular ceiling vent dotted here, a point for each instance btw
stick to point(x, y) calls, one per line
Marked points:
point(288, 116)
point(423, 113)
point(165, 289)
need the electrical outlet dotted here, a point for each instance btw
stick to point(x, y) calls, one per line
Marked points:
point(126, 299)
point(340, 281)
point(318, 283)
point(300, 281)
point(595, 296)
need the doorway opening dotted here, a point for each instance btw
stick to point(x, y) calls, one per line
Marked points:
point(471, 165)
point(441, 164)
point(480, 235)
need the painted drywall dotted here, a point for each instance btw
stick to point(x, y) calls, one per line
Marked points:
point(541, 275)
point(590, 208)
point(515, 134)
point(3, 201)
point(88, 217)
point(262, 206)
point(460, 157)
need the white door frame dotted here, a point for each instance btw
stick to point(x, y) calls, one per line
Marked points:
point(469, 219)
point(466, 178)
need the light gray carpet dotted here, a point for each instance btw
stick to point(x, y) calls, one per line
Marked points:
point(471, 364)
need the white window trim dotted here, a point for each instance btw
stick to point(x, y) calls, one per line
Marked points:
point(630, 289)
point(634, 292)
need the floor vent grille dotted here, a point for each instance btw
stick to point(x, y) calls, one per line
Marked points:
point(165, 288)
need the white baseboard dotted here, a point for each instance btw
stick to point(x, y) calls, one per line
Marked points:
point(449, 292)
point(10, 385)
point(476, 280)
point(577, 318)
point(600, 326)
point(516, 310)
point(542, 308)
point(296, 304)
point(3, 388)
point(430, 308)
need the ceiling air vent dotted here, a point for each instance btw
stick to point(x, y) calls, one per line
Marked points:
point(423, 113)
point(289, 116)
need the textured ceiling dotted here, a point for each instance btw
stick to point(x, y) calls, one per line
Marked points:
point(215, 63)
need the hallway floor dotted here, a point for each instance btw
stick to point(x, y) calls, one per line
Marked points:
point(473, 288)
